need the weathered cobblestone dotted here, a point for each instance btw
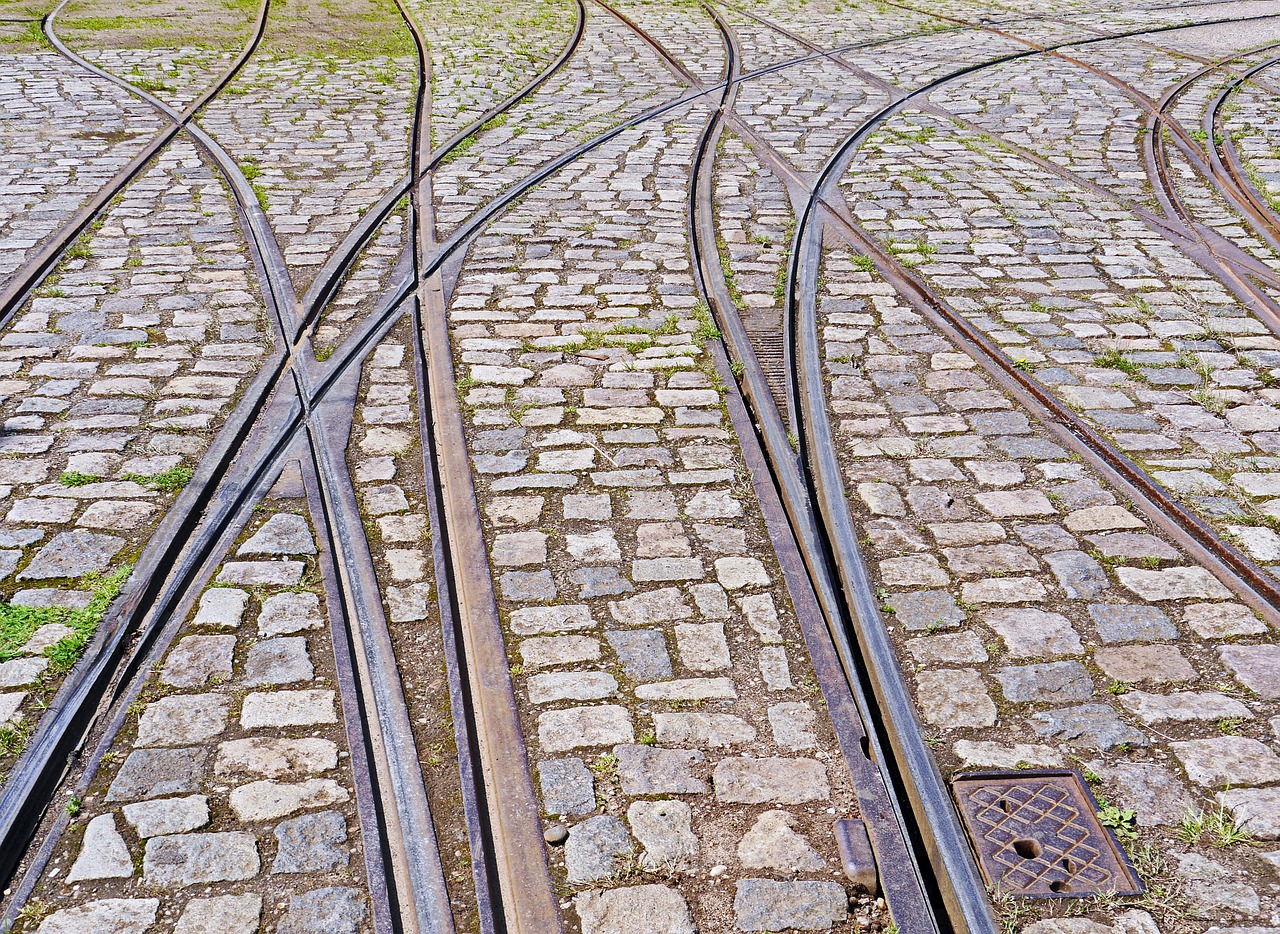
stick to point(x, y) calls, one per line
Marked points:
point(585, 357)
point(251, 804)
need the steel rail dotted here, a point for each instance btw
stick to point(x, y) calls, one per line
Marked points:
point(1203, 245)
point(1235, 569)
point(908, 877)
point(1156, 117)
point(407, 829)
point(71, 713)
point(482, 694)
point(801, 548)
point(335, 268)
point(828, 489)
point(942, 837)
point(1225, 159)
point(279, 295)
point(254, 446)
point(421, 893)
point(34, 271)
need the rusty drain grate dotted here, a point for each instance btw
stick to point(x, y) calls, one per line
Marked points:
point(1038, 834)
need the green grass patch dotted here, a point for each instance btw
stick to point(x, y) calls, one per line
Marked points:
point(75, 478)
point(170, 481)
point(1114, 360)
point(17, 623)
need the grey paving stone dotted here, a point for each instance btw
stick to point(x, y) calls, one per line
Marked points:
point(45, 637)
point(1095, 725)
point(1128, 622)
point(1184, 706)
point(1212, 892)
point(1158, 796)
point(666, 836)
point(183, 719)
point(640, 909)
point(282, 534)
point(1222, 620)
point(527, 586)
point(707, 730)
point(222, 914)
point(275, 758)
point(73, 554)
point(652, 770)
point(149, 773)
point(543, 651)
point(286, 613)
point(278, 661)
point(262, 573)
point(1228, 761)
point(702, 646)
point(1053, 682)
point(408, 604)
point(655, 606)
point(1173, 584)
point(539, 619)
point(288, 708)
point(199, 858)
point(642, 652)
point(46, 597)
point(1133, 663)
point(1032, 633)
point(103, 854)
point(10, 705)
point(269, 800)
point(1256, 810)
point(19, 672)
point(311, 843)
point(167, 815)
point(770, 781)
point(793, 724)
point(103, 916)
point(954, 698)
point(556, 686)
point(335, 910)
point(575, 727)
point(196, 659)
point(1079, 575)
point(765, 905)
point(221, 607)
point(927, 609)
point(771, 843)
point(567, 786)
point(1255, 666)
point(600, 582)
point(596, 849)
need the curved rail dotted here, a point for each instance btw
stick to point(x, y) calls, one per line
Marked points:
point(34, 778)
point(807, 562)
point(1225, 159)
point(28, 278)
point(1233, 567)
point(340, 261)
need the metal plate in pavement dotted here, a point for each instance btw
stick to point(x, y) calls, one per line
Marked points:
point(1038, 834)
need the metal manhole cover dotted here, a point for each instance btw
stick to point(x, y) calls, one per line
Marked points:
point(1037, 834)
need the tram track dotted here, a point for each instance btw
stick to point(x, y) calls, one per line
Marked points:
point(355, 572)
point(321, 393)
point(23, 283)
point(821, 485)
point(247, 456)
point(1239, 572)
point(928, 879)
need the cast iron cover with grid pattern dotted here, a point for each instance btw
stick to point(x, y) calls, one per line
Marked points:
point(1037, 834)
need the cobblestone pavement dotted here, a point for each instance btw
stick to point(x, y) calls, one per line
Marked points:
point(1103, 209)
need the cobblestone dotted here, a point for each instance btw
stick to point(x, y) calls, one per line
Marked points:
point(679, 743)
